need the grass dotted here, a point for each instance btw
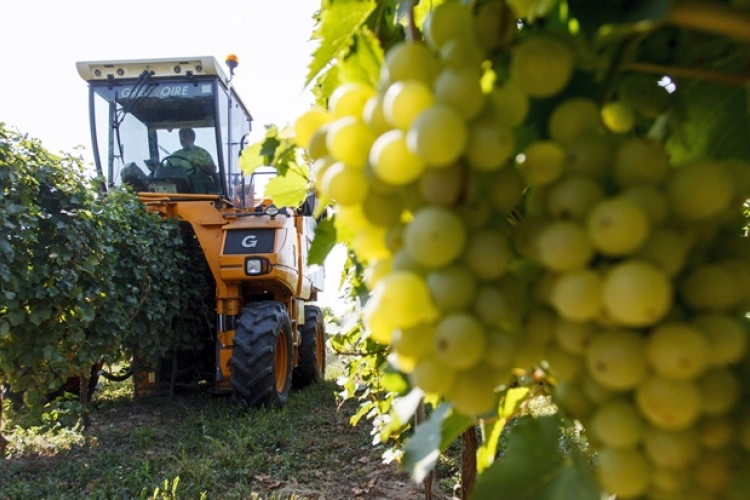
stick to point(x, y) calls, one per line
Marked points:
point(306, 450)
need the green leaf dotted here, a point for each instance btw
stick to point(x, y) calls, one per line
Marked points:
point(533, 467)
point(251, 158)
point(322, 243)
point(363, 62)
point(340, 21)
point(423, 449)
point(289, 190)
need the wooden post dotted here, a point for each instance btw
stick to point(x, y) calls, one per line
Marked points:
point(469, 447)
point(419, 417)
point(3, 441)
point(84, 398)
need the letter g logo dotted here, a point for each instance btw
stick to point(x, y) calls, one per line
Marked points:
point(249, 241)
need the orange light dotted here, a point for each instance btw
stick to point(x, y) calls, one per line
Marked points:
point(232, 60)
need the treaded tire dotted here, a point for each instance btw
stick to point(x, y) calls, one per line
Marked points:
point(261, 360)
point(312, 351)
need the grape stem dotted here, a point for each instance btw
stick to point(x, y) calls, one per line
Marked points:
point(412, 33)
point(712, 17)
point(692, 73)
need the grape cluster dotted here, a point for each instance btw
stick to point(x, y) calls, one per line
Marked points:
point(585, 251)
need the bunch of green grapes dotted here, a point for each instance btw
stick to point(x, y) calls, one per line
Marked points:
point(420, 173)
point(644, 286)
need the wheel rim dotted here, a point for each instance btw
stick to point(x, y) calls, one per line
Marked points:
point(282, 362)
point(320, 347)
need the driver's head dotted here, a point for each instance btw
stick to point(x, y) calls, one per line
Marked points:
point(187, 137)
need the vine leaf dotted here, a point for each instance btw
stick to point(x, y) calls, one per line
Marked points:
point(363, 62)
point(423, 449)
point(534, 468)
point(289, 190)
point(339, 23)
point(322, 243)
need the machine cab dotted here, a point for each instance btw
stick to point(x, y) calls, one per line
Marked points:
point(139, 107)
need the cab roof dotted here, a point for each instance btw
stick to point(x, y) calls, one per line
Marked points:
point(125, 69)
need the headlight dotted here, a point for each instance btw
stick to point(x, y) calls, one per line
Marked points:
point(272, 210)
point(255, 266)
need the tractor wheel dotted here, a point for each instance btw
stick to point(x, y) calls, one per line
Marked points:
point(261, 360)
point(312, 351)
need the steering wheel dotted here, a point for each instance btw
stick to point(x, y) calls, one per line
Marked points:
point(167, 162)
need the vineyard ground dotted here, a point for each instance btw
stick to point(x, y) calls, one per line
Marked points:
point(307, 450)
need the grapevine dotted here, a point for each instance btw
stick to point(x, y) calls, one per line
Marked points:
point(527, 210)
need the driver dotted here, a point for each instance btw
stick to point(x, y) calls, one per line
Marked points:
point(196, 155)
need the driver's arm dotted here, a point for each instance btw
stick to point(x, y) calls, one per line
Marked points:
point(204, 161)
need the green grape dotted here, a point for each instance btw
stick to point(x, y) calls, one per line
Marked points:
point(417, 342)
point(383, 209)
point(727, 337)
point(404, 101)
point(541, 65)
point(652, 199)
point(668, 484)
point(404, 298)
point(377, 323)
point(590, 155)
point(369, 244)
point(699, 191)
point(438, 136)
point(473, 391)
point(616, 359)
point(643, 94)
point(675, 450)
point(374, 116)
point(317, 147)
point(501, 349)
point(542, 162)
point(435, 237)
point(717, 432)
point(349, 100)
point(564, 246)
point(494, 25)
point(711, 287)
point(433, 376)
point(452, 288)
point(526, 235)
point(623, 472)
point(308, 123)
point(573, 336)
point(572, 196)
point(506, 189)
point(719, 391)
point(410, 61)
point(618, 117)
point(447, 21)
point(617, 424)
point(461, 52)
point(403, 262)
point(542, 286)
point(596, 392)
point(677, 350)
point(640, 161)
point(460, 89)
point(577, 295)
point(540, 326)
point(490, 145)
point(376, 270)
point(574, 118)
point(488, 254)
point(510, 105)
point(442, 186)
point(344, 184)
point(617, 226)
point(460, 341)
point(391, 160)
point(563, 366)
point(349, 140)
point(636, 293)
point(717, 469)
point(499, 304)
point(530, 10)
point(319, 169)
point(672, 405)
point(571, 398)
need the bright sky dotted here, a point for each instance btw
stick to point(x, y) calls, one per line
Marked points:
point(40, 41)
point(41, 93)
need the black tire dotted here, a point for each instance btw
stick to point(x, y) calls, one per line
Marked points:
point(312, 351)
point(261, 360)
